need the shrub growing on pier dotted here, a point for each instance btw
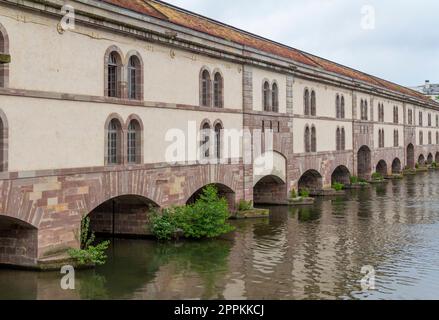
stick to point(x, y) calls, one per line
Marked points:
point(377, 176)
point(89, 253)
point(304, 193)
point(245, 205)
point(337, 186)
point(354, 179)
point(206, 218)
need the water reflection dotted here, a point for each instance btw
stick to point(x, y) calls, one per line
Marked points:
point(312, 252)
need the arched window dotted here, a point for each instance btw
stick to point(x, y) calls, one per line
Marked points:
point(395, 115)
point(381, 141)
point(421, 138)
point(114, 74)
point(218, 147)
point(313, 139)
point(205, 141)
point(313, 103)
point(343, 139)
point(307, 139)
point(342, 108)
point(205, 96)
point(429, 119)
point(410, 117)
point(437, 121)
point(275, 97)
point(134, 144)
point(218, 99)
point(134, 78)
point(396, 138)
point(266, 96)
point(338, 139)
point(3, 143)
point(430, 140)
point(306, 106)
point(421, 122)
point(5, 58)
point(437, 137)
point(114, 142)
point(337, 107)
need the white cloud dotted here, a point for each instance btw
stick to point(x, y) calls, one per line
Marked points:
point(403, 48)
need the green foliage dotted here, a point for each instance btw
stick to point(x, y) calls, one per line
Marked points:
point(92, 255)
point(206, 218)
point(377, 176)
point(354, 180)
point(304, 193)
point(89, 253)
point(337, 186)
point(245, 205)
point(293, 194)
point(434, 165)
point(417, 166)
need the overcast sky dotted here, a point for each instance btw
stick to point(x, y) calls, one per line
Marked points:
point(403, 47)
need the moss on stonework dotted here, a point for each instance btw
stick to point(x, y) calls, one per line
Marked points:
point(5, 58)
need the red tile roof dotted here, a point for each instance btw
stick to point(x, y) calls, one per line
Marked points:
point(164, 11)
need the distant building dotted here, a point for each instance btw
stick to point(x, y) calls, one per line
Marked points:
point(429, 89)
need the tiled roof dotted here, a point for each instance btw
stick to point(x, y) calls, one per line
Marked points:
point(164, 11)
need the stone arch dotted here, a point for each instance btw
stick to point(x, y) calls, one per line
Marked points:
point(411, 156)
point(18, 242)
point(421, 160)
point(311, 180)
point(139, 76)
point(364, 163)
point(430, 158)
point(4, 144)
point(381, 168)
point(341, 175)
point(436, 158)
point(4, 49)
point(124, 215)
point(396, 166)
point(269, 178)
point(223, 191)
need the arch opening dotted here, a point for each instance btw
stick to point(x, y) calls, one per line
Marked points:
point(421, 160)
point(341, 175)
point(270, 190)
point(223, 192)
point(436, 158)
point(311, 180)
point(381, 168)
point(126, 215)
point(18, 242)
point(430, 159)
point(396, 166)
point(364, 163)
point(410, 156)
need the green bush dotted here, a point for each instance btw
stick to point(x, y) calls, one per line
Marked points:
point(293, 194)
point(434, 165)
point(89, 253)
point(304, 193)
point(354, 180)
point(417, 166)
point(245, 205)
point(377, 176)
point(337, 186)
point(206, 218)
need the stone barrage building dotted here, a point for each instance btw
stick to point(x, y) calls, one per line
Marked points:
point(85, 111)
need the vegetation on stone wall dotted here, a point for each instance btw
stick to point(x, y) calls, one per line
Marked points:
point(206, 218)
point(245, 205)
point(337, 186)
point(304, 193)
point(89, 252)
point(377, 176)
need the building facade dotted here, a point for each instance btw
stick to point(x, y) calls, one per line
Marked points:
point(86, 112)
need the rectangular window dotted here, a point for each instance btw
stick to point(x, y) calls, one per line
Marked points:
point(112, 81)
point(132, 147)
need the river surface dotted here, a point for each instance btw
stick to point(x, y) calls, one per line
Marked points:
point(313, 252)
